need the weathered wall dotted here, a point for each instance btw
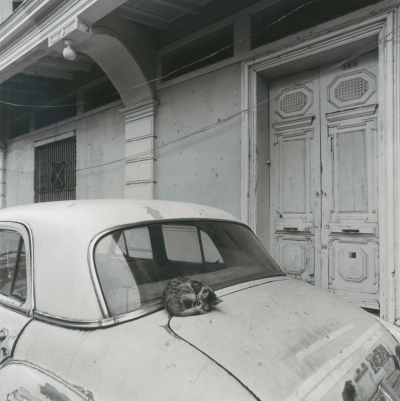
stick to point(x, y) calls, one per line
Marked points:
point(204, 168)
point(100, 139)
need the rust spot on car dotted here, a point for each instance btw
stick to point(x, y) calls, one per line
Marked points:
point(154, 213)
point(52, 393)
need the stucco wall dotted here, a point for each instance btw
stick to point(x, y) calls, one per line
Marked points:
point(204, 168)
point(100, 138)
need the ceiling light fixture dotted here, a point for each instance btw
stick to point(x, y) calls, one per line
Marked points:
point(69, 53)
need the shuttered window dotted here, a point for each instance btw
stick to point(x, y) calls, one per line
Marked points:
point(55, 171)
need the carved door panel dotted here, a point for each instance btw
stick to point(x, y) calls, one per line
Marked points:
point(295, 180)
point(349, 181)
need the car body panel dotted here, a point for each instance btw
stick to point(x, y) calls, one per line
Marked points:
point(270, 336)
point(139, 359)
point(62, 232)
point(11, 324)
point(22, 381)
point(286, 340)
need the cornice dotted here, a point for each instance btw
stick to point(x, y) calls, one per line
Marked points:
point(21, 38)
point(45, 21)
point(17, 19)
point(356, 112)
point(140, 110)
point(294, 124)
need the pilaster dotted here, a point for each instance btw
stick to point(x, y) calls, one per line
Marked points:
point(139, 145)
point(389, 171)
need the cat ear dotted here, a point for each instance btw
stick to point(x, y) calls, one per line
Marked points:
point(217, 301)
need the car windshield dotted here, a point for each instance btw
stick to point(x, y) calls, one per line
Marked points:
point(134, 265)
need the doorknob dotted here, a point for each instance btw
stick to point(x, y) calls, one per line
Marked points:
point(3, 334)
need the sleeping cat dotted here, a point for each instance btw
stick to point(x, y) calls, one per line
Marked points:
point(185, 297)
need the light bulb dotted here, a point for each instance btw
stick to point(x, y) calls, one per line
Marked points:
point(69, 53)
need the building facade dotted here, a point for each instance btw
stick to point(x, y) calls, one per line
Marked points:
point(284, 113)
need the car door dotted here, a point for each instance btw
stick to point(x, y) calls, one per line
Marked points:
point(16, 297)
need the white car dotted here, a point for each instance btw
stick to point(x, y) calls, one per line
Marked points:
point(81, 316)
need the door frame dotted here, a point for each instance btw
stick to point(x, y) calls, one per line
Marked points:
point(382, 27)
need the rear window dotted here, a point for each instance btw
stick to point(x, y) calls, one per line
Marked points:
point(134, 265)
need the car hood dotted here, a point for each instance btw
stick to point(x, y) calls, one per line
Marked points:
point(287, 340)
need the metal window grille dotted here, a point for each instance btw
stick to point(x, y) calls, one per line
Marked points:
point(293, 102)
point(55, 171)
point(354, 88)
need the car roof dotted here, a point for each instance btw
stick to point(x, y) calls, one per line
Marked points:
point(62, 233)
point(101, 214)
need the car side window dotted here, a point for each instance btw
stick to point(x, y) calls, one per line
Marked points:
point(182, 243)
point(13, 280)
point(138, 243)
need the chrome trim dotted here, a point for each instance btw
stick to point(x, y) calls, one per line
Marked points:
point(146, 310)
point(15, 308)
point(95, 324)
point(95, 280)
point(79, 391)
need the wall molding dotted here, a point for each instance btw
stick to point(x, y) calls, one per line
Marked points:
point(294, 124)
point(356, 112)
point(140, 110)
point(55, 138)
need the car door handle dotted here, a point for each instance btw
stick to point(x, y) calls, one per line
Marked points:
point(350, 230)
point(3, 334)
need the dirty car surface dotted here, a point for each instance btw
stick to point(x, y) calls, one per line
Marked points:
point(81, 316)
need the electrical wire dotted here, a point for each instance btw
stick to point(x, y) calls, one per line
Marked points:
point(165, 76)
point(138, 156)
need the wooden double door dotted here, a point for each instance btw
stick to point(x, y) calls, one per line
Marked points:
point(324, 189)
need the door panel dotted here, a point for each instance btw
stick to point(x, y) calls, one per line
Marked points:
point(353, 268)
point(349, 181)
point(295, 189)
point(295, 254)
point(324, 226)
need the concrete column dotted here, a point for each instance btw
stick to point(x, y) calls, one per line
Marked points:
point(6, 9)
point(3, 153)
point(139, 145)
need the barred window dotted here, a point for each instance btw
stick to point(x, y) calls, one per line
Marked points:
point(55, 171)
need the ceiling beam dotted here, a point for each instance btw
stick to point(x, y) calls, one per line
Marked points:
point(63, 64)
point(47, 73)
point(142, 17)
point(16, 91)
point(187, 6)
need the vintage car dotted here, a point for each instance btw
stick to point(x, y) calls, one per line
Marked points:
point(81, 316)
